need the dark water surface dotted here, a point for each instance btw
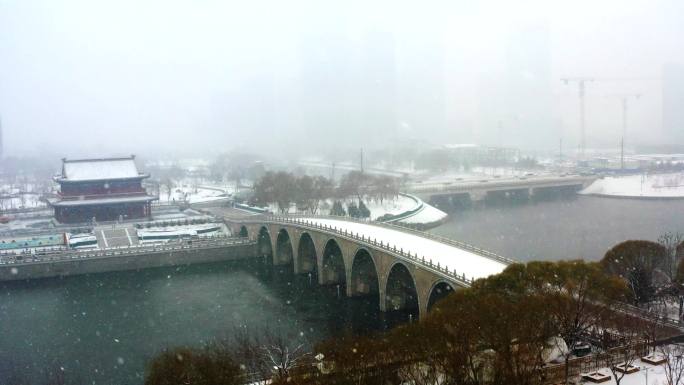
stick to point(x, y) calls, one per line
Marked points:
point(581, 227)
point(103, 328)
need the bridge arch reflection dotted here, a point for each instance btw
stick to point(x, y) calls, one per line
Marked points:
point(333, 269)
point(264, 246)
point(438, 292)
point(400, 291)
point(284, 253)
point(306, 261)
point(364, 275)
point(410, 271)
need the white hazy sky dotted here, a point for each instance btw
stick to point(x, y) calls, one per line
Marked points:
point(87, 77)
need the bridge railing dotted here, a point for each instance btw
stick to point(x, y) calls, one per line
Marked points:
point(458, 244)
point(62, 255)
point(421, 260)
point(494, 184)
point(426, 263)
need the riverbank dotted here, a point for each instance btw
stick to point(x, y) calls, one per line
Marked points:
point(576, 227)
point(131, 258)
point(104, 328)
point(642, 186)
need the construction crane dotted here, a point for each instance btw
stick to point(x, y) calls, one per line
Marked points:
point(624, 99)
point(581, 81)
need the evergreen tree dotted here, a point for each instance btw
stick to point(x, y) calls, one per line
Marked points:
point(353, 210)
point(338, 209)
point(363, 210)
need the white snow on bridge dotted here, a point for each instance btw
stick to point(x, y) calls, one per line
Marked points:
point(470, 263)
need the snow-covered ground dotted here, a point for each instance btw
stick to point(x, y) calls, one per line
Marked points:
point(463, 261)
point(656, 375)
point(395, 206)
point(644, 185)
point(427, 215)
point(20, 196)
point(398, 205)
point(193, 194)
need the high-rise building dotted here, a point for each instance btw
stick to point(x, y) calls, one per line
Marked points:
point(1, 143)
point(421, 86)
point(673, 104)
point(516, 95)
point(347, 83)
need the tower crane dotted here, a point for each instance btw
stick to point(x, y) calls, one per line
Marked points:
point(581, 84)
point(624, 99)
point(581, 81)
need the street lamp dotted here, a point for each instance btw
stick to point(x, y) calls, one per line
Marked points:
point(646, 369)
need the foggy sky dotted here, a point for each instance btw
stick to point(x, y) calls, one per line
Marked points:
point(91, 77)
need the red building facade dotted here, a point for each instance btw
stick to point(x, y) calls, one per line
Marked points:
point(100, 189)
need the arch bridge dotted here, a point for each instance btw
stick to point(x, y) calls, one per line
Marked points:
point(407, 270)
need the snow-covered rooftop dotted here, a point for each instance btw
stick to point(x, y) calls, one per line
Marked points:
point(55, 202)
point(99, 169)
point(465, 262)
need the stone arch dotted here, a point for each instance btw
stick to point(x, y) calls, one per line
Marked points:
point(401, 291)
point(438, 292)
point(264, 245)
point(244, 233)
point(364, 277)
point(332, 269)
point(284, 251)
point(306, 255)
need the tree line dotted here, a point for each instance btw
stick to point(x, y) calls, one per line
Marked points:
point(499, 330)
point(653, 271)
point(308, 192)
point(495, 332)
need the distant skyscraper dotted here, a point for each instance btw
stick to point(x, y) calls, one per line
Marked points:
point(347, 84)
point(673, 103)
point(516, 98)
point(421, 86)
point(1, 144)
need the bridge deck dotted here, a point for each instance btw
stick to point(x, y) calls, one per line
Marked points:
point(474, 265)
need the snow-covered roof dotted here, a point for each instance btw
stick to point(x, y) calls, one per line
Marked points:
point(56, 202)
point(99, 169)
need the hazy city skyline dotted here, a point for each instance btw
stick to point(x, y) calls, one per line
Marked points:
point(84, 78)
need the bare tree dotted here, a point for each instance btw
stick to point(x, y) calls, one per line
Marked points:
point(628, 334)
point(281, 356)
point(267, 354)
point(674, 364)
point(670, 241)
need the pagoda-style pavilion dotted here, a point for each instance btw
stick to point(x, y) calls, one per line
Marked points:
point(101, 189)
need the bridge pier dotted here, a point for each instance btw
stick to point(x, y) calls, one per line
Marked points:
point(364, 267)
point(349, 287)
point(383, 299)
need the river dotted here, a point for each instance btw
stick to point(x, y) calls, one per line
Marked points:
point(578, 227)
point(103, 328)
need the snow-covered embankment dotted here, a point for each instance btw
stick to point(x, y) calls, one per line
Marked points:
point(645, 186)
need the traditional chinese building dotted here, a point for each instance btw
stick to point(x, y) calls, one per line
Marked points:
point(103, 189)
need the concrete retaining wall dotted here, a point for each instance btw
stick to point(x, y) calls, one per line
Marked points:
point(33, 270)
